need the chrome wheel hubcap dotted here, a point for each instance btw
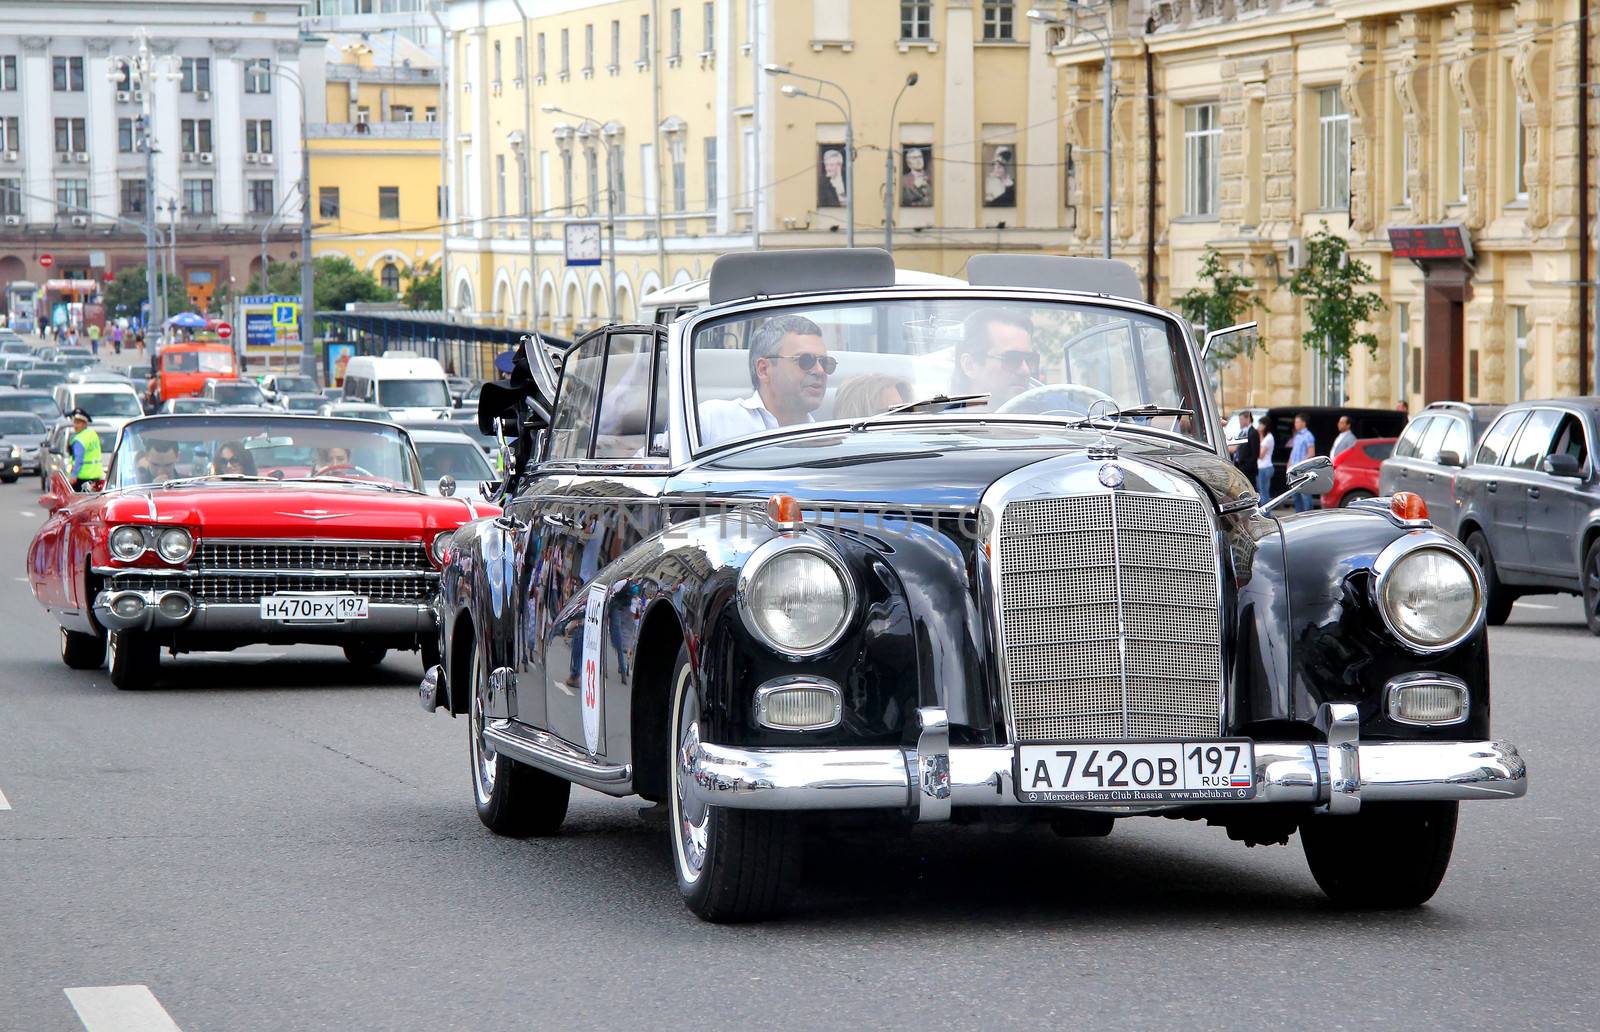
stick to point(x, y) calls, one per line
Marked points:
point(483, 754)
point(691, 819)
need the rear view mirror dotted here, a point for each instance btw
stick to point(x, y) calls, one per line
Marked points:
point(1560, 464)
point(1450, 458)
point(1236, 339)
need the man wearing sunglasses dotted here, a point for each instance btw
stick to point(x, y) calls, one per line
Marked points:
point(158, 463)
point(789, 368)
point(996, 356)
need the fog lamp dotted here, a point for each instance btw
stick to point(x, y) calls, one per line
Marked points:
point(795, 705)
point(175, 605)
point(1427, 700)
point(128, 606)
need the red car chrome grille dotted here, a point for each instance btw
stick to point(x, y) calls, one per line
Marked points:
point(352, 556)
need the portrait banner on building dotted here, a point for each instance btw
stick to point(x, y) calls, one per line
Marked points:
point(916, 175)
point(999, 175)
point(832, 189)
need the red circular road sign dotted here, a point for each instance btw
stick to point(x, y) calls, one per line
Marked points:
point(46, 260)
point(109, 276)
point(224, 330)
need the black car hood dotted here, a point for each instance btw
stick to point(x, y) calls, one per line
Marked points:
point(930, 464)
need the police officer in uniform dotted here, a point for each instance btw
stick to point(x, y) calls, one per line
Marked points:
point(87, 466)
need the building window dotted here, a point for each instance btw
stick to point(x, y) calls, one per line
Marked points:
point(66, 74)
point(72, 197)
point(198, 197)
point(10, 137)
point(619, 192)
point(328, 202)
point(538, 54)
point(675, 34)
point(1402, 312)
point(566, 56)
point(70, 136)
point(258, 76)
point(363, 116)
point(194, 75)
point(258, 135)
point(430, 114)
point(709, 18)
point(125, 144)
point(916, 19)
point(388, 202)
point(390, 277)
point(1519, 168)
point(1202, 148)
point(566, 178)
point(195, 134)
point(497, 62)
point(616, 44)
point(402, 113)
point(1333, 149)
point(999, 19)
point(1522, 333)
point(261, 197)
point(522, 61)
point(588, 49)
point(10, 197)
point(644, 40)
point(591, 168)
point(8, 72)
point(711, 173)
point(680, 193)
point(131, 196)
point(500, 183)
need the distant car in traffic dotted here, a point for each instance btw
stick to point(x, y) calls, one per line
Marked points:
point(10, 379)
point(234, 392)
point(109, 403)
point(187, 406)
point(1431, 451)
point(38, 402)
point(447, 454)
point(40, 379)
point(459, 386)
point(26, 432)
point(276, 385)
point(301, 402)
point(98, 374)
point(1355, 472)
point(358, 410)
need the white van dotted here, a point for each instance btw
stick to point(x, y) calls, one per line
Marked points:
point(109, 404)
point(409, 386)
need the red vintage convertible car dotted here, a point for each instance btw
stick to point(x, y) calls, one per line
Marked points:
point(218, 531)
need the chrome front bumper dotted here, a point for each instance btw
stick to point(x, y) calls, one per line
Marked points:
point(244, 619)
point(1336, 775)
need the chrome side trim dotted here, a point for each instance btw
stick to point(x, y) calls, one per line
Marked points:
point(1341, 722)
point(548, 753)
point(431, 690)
point(933, 789)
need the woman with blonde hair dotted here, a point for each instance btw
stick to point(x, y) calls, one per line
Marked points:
point(868, 395)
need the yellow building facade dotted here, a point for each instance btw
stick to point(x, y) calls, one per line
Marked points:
point(376, 159)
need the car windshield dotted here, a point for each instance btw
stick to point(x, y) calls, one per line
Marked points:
point(855, 359)
point(356, 412)
point(192, 405)
point(413, 393)
point(288, 448)
point(234, 393)
point(303, 403)
point(197, 362)
point(108, 403)
point(295, 385)
point(20, 423)
point(41, 405)
point(36, 379)
point(463, 461)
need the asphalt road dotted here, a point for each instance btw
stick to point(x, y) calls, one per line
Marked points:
point(273, 840)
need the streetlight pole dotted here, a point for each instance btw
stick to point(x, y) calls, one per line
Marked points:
point(527, 171)
point(308, 299)
point(888, 169)
point(611, 200)
point(1108, 98)
point(141, 69)
point(846, 110)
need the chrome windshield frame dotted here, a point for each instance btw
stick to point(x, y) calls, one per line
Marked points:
point(682, 429)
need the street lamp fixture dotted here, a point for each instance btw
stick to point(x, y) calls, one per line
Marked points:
point(844, 109)
point(1107, 99)
point(888, 169)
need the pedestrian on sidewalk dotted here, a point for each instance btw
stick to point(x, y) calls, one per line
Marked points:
point(1301, 447)
point(1264, 464)
point(93, 333)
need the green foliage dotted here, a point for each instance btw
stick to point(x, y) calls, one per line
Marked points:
point(1226, 302)
point(335, 282)
point(425, 291)
point(1335, 306)
point(127, 293)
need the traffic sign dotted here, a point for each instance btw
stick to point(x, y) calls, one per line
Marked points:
point(109, 276)
point(224, 330)
point(285, 316)
point(46, 260)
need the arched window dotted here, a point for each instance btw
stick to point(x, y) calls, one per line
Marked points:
point(390, 277)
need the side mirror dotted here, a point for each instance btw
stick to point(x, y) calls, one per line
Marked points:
point(1560, 464)
point(1239, 337)
point(1450, 458)
point(1313, 476)
point(447, 485)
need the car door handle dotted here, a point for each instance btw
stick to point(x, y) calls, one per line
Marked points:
point(506, 521)
point(556, 519)
point(1533, 492)
point(1430, 478)
point(1491, 486)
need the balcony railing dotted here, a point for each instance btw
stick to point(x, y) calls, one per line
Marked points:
point(382, 73)
point(374, 130)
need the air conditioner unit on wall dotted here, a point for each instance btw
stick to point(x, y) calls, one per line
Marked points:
point(11, 155)
point(80, 220)
point(188, 157)
point(13, 220)
point(1296, 256)
point(266, 159)
point(202, 94)
point(207, 158)
point(81, 157)
point(250, 159)
point(122, 96)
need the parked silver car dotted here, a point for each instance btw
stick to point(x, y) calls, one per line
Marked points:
point(1431, 451)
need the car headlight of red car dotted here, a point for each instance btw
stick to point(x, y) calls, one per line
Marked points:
point(175, 545)
point(441, 546)
point(127, 543)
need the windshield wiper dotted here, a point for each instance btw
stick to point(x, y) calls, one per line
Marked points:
point(351, 480)
point(1136, 412)
point(937, 403)
point(181, 481)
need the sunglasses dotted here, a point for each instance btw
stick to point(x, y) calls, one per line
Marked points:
point(808, 362)
point(229, 460)
point(1014, 361)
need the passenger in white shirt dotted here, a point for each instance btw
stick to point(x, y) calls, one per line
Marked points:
point(789, 368)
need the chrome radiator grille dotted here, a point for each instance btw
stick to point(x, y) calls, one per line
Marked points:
point(1109, 617)
point(222, 588)
point(353, 556)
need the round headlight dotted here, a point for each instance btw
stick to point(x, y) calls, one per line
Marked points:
point(174, 544)
point(796, 599)
point(1430, 597)
point(441, 546)
point(127, 543)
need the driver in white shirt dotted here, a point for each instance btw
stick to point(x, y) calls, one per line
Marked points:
point(789, 368)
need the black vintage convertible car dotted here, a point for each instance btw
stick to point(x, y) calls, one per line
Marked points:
point(828, 546)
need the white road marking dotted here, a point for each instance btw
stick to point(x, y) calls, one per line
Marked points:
point(31, 512)
point(1533, 605)
point(120, 1008)
point(5, 804)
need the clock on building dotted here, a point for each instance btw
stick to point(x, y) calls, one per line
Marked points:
point(583, 243)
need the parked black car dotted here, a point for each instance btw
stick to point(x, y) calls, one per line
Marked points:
point(1052, 595)
point(1434, 447)
point(1530, 505)
point(1323, 422)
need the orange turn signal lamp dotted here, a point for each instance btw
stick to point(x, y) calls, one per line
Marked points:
point(783, 511)
point(1407, 505)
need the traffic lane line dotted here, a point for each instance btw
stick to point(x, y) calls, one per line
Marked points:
point(120, 1008)
point(5, 804)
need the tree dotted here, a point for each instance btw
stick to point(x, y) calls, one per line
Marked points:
point(1227, 302)
point(126, 294)
point(335, 282)
point(426, 289)
point(1335, 306)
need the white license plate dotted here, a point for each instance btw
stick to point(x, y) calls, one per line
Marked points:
point(314, 608)
point(1219, 769)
